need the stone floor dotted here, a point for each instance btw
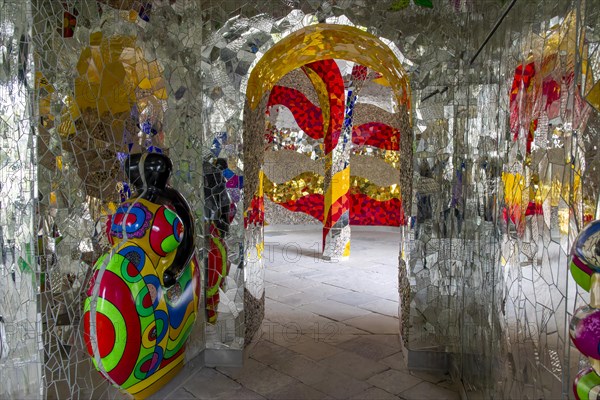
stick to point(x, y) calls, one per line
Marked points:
point(330, 330)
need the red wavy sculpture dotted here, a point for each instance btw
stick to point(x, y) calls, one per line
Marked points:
point(366, 211)
point(329, 72)
point(363, 209)
point(312, 204)
point(376, 134)
point(307, 115)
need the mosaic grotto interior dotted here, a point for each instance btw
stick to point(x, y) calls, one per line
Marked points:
point(146, 144)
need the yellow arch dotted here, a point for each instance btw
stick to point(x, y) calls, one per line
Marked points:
point(326, 41)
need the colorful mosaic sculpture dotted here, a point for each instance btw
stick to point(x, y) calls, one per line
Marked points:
point(217, 210)
point(540, 88)
point(315, 49)
point(585, 324)
point(216, 271)
point(336, 198)
point(586, 384)
point(369, 204)
point(143, 296)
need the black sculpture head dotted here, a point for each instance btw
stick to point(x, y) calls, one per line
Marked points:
point(156, 169)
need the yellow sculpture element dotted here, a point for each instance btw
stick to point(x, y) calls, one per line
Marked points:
point(379, 193)
point(322, 93)
point(554, 192)
point(260, 248)
point(514, 190)
point(391, 157)
point(338, 187)
point(590, 71)
point(261, 178)
point(312, 183)
point(346, 252)
point(302, 185)
point(326, 41)
point(112, 76)
point(514, 185)
point(340, 184)
point(111, 70)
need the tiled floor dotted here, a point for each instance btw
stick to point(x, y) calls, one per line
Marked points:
point(330, 331)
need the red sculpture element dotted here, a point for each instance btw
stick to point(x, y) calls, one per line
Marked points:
point(218, 267)
point(521, 82)
point(256, 212)
point(376, 134)
point(367, 211)
point(307, 115)
point(329, 72)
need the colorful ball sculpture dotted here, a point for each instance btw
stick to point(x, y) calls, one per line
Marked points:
point(585, 260)
point(143, 297)
point(585, 331)
point(585, 324)
point(587, 384)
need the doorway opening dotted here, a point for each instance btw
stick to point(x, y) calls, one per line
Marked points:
point(327, 145)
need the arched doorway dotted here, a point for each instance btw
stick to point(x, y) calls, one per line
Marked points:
point(314, 49)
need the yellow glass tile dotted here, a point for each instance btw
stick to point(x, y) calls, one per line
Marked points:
point(161, 94)
point(95, 38)
point(513, 188)
point(112, 207)
point(132, 16)
point(145, 84)
point(563, 220)
point(593, 96)
point(260, 248)
point(346, 249)
point(261, 181)
point(53, 201)
point(66, 127)
point(42, 83)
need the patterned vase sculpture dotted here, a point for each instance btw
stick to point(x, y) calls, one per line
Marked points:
point(585, 325)
point(143, 297)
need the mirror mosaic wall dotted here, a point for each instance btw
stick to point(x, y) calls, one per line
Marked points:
point(21, 353)
point(500, 166)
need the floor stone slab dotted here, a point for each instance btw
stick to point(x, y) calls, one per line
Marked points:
point(366, 347)
point(429, 391)
point(340, 386)
point(298, 391)
point(393, 381)
point(375, 323)
point(353, 365)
